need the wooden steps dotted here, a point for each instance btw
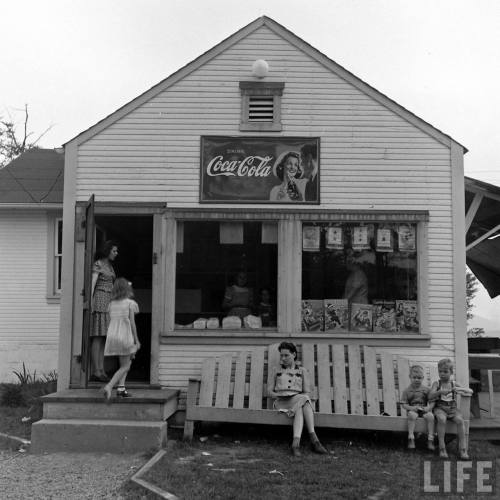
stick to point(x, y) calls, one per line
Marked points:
point(80, 420)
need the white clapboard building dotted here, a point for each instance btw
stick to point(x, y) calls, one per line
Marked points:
point(264, 157)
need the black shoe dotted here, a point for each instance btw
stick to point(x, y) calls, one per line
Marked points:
point(103, 378)
point(123, 394)
point(317, 447)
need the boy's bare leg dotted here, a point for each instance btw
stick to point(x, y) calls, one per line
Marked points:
point(462, 442)
point(441, 430)
point(429, 418)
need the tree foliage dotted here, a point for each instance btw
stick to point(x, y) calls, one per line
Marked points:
point(14, 142)
point(471, 288)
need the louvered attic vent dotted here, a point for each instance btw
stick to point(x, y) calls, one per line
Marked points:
point(261, 109)
point(261, 105)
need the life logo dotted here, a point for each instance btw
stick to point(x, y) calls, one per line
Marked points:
point(468, 477)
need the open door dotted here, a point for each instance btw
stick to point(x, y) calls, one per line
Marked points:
point(87, 287)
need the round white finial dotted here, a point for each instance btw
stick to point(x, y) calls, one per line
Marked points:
point(260, 68)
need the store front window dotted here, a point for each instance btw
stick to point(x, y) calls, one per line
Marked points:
point(226, 275)
point(359, 278)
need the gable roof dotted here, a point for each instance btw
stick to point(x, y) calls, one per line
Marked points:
point(295, 41)
point(35, 177)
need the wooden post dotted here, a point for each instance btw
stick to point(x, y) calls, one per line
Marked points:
point(192, 392)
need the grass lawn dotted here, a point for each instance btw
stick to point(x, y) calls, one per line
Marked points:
point(22, 401)
point(10, 421)
point(255, 463)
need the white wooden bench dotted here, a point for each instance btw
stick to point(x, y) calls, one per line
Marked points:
point(355, 387)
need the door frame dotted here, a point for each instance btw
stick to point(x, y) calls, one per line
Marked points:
point(78, 374)
point(89, 252)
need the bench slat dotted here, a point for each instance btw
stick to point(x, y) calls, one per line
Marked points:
point(371, 381)
point(239, 380)
point(273, 360)
point(324, 379)
point(388, 386)
point(308, 363)
point(256, 379)
point(339, 380)
point(355, 381)
point(223, 382)
point(272, 417)
point(433, 374)
point(403, 378)
point(207, 382)
point(308, 360)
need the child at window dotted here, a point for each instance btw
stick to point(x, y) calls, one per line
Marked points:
point(444, 393)
point(238, 298)
point(289, 384)
point(265, 309)
point(415, 400)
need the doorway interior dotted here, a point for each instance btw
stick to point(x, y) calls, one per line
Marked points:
point(134, 237)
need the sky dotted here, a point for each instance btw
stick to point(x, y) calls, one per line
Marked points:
point(73, 62)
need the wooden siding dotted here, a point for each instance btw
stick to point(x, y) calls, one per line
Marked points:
point(29, 325)
point(371, 158)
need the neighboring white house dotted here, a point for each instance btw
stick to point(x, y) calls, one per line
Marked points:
point(31, 195)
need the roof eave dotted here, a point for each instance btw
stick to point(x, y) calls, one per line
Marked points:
point(31, 206)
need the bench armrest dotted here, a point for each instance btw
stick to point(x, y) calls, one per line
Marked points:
point(464, 405)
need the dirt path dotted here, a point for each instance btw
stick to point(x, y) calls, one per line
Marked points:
point(65, 476)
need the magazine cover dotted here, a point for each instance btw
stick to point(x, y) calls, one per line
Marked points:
point(407, 316)
point(335, 238)
point(360, 238)
point(312, 315)
point(336, 315)
point(310, 238)
point(384, 316)
point(406, 238)
point(384, 240)
point(361, 317)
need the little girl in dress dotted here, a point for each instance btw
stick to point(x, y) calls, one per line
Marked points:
point(121, 339)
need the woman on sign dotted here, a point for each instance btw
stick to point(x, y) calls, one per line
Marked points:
point(289, 170)
point(297, 173)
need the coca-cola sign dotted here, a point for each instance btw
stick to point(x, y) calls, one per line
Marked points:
point(259, 170)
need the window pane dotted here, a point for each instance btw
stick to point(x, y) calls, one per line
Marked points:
point(221, 269)
point(58, 268)
point(59, 237)
point(359, 278)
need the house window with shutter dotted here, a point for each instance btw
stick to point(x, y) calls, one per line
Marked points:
point(54, 258)
point(261, 106)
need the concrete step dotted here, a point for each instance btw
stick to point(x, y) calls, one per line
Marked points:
point(144, 405)
point(82, 435)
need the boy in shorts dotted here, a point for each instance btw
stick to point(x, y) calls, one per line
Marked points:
point(444, 393)
point(415, 400)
